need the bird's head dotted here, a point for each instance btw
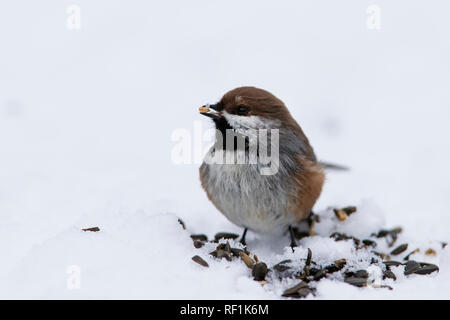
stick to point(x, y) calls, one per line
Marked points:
point(247, 108)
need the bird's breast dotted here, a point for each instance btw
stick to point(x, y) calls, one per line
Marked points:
point(247, 198)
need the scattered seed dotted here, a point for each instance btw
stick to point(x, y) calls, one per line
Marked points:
point(357, 282)
point(93, 229)
point(247, 260)
point(340, 214)
point(227, 247)
point(224, 254)
point(182, 223)
point(301, 290)
point(427, 268)
point(259, 271)
point(282, 266)
point(313, 271)
point(236, 252)
point(220, 246)
point(226, 236)
point(349, 210)
point(381, 286)
point(388, 274)
point(342, 236)
point(411, 267)
point(392, 263)
point(200, 237)
point(338, 265)
point(369, 243)
point(200, 261)
point(322, 273)
point(383, 233)
point(198, 244)
point(401, 248)
point(362, 274)
point(444, 244)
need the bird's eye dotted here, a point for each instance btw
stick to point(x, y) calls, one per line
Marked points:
point(242, 111)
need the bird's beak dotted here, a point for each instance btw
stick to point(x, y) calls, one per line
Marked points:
point(206, 110)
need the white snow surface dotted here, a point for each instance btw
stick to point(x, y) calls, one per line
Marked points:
point(87, 116)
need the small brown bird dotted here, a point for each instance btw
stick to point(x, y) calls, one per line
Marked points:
point(263, 203)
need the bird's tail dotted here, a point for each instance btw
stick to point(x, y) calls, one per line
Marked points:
point(333, 166)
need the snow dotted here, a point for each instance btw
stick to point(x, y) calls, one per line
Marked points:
point(87, 116)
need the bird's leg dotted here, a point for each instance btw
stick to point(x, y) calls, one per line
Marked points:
point(293, 242)
point(311, 221)
point(242, 241)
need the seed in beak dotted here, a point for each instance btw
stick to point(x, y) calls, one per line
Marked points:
point(204, 109)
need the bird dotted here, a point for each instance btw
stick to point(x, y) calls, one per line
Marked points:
point(270, 204)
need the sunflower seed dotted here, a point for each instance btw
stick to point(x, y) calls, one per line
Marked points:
point(226, 236)
point(388, 274)
point(340, 214)
point(182, 223)
point(392, 263)
point(282, 266)
point(247, 260)
point(369, 243)
point(383, 233)
point(301, 290)
point(362, 274)
point(259, 271)
point(430, 252)
point(401, 248)
point(381, 286)
point(200, 237)
point(338, 265)
point(411, 267)
point(355, 281)
point(198, 244)
point(200, 261)
point(349, 210)
point(223, 254)
point(322, 273)
point(236, 252)
point(427, 268)
point(93, 229)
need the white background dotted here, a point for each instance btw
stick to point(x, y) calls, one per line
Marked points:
point(86, 118)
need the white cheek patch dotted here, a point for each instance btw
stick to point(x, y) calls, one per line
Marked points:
point(250, 122)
